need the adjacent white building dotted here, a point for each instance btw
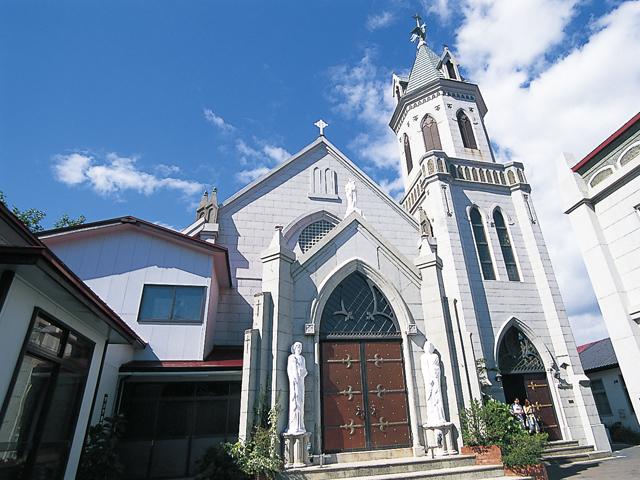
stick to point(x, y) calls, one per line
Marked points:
point(601, 195)
point(54, 332)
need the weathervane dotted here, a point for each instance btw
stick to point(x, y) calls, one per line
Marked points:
point(420, 32)
point(321, 125)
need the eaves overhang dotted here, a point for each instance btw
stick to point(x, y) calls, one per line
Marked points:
point(41, 268)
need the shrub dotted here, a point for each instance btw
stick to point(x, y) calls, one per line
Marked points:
point(259, 454)
point(524, 449)
point(100, 460)
point(217, 464)
point(493, 424)
point(622, 434)
point(488, 424)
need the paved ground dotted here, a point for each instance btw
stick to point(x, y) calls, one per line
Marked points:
point(623, 464)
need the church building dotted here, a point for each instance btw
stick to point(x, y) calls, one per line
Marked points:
point(316, 252)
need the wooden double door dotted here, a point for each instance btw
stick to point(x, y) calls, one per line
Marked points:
point(364, 399)
point(540, 397)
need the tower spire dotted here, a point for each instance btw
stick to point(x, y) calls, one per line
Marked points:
point(420, 32)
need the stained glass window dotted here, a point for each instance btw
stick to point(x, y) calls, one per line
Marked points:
point(357, 308)
point(517, 354)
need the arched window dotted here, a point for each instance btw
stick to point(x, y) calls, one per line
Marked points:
point(466, 130)
point(407, 153)
point(505, 245)
point(482, 245)
point(517, 354)
point(357, 308)
point(430, 134)
point(313, 233)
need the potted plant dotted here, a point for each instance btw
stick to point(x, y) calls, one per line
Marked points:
point(258, 455)
point(491, 433)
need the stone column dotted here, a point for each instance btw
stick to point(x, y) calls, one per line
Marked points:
point(439, 326)
point(276, 279)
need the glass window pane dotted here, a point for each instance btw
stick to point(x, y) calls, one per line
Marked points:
point(213, 389)
point(78, 350)
point(141, 417)
point(169, 459)
point(156, 302)
point(173, 419)
point(25, 405)
point(188, 303)
point(233, 422)
point(47, 336)
point(211, 417)
point(487, 271)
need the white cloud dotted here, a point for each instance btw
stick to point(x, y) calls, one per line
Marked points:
point(379, 21)
point(276, 153)
point(540, 106)
point(115, 175)
point(247, 176)
point(244, 149)
point(217, 121)
point(71, 169)
point(439, 7)
point(363, 92)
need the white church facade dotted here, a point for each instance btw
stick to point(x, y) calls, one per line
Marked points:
point(316, 252)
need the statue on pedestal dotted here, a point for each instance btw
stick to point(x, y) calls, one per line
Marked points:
point(351, 193)
point(431, 373)
point(296, 370)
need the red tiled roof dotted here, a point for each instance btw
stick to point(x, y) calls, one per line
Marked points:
point(181, 365)
point(606, 143)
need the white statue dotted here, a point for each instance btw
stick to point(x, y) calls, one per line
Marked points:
point(297, 370)
point(431, 372)
point(352, 197)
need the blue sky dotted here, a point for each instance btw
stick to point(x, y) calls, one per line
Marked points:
point(135, 107)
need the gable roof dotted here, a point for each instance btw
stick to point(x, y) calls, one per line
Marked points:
point(356, 219)
point(220, 254)
point(319, 143)
point(598, 355)
point(32, 260)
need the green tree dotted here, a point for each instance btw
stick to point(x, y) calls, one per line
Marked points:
point(32, 217)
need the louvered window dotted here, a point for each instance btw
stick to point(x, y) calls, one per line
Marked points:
point(430, 134)
point(313, 233)
point(466, 130)
point(407, 153)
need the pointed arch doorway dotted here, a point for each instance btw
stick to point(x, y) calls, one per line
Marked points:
point(364, 395)
point(524, 377)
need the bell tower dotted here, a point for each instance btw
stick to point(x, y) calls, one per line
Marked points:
point(437, 110)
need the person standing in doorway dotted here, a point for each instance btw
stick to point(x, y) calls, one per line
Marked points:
point(516, 409)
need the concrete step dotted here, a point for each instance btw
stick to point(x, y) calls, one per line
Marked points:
point(372, 473)
point(356, 457)
point(562, 443)
point(568, 450)
point(407, 468)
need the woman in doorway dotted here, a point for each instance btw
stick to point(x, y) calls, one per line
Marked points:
point(532, 421)
point(516, 409)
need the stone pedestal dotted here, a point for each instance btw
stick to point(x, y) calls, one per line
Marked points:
point(439, 439)
point(295, 450)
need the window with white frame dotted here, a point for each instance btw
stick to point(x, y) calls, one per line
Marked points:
point(600, 396)
point(172, 303)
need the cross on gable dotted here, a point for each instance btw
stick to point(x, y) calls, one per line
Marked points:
point(321, 125)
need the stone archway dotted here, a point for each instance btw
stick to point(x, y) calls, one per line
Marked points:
point(524, 376)
point(364, 394)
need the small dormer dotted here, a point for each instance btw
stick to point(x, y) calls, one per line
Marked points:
point(399, 87)
point(449, 65)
